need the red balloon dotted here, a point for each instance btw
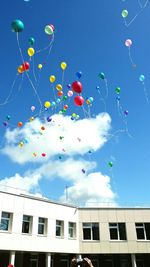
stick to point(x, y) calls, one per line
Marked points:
point(25, 66)
point(78, 100)
point(77, 87)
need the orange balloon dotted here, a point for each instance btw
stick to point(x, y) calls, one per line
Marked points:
point(20, 123)
point(60, 93)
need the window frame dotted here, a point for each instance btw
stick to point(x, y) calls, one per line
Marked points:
point(29, 222)
point(90, 226)
point(8, 220)
point(143, 227)
point(117, 226)
point(44, 224)
point(60, 227)
point(73, 229)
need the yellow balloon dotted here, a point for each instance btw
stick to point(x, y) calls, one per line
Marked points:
point(31, 51)
point(63, 65)
point(47, 104)
point(52, 78)
point(40, 66)
point(20, 69)
point(59, 87)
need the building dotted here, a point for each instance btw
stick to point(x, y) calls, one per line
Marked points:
point(36, 232)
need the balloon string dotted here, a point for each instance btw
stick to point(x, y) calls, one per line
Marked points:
point(10, 92)
point(102, 99)
point(125, 123)
point(106, 85)
point(35, 91)
point(132, 20)
point(145, 92)
point(50, 48)
point(85, 112)
point(19, 47)
point(131, 60)
point(34, 75)
point(45, 48)
point(139, 2)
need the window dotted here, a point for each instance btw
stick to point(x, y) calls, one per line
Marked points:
point(72, 230)
point(59, 228)
point(117, 231)
point(6, 221)
point(143, 231)
point(26, 224)
point(90, 231)
point(42, 226)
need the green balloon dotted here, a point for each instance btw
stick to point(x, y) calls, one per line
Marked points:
point(17, 25)
point(124, 13)
point(64, 97)
point(110, 164)
point(118, 90)
point(101, 75)
point(31, 41)
point(48, 30)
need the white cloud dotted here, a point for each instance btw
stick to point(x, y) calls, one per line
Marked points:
point(18, 184)
point(92, 190)
point(61, 136)
point(69, 141)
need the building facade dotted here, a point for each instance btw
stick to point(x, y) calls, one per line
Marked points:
point(37, 232)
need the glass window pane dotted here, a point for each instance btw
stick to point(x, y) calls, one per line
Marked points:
point(40, 229)
point(147, 229)
point(122, 231)
point(95, 230)
point(113, 234)
point(140, 233)
point(86, 233)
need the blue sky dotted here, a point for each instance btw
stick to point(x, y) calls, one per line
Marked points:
point(90, 38)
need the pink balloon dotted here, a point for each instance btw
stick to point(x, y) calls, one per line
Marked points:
point(32, 108)
point(70, 93)
point(78, 100)
point(128, 42)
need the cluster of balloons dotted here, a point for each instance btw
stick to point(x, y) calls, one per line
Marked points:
point(24, 67)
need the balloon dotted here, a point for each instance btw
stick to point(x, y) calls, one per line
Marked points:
point(25, 66)
point(49, 119)
point(43, 154)
point(5, 123)
point(142, 78)
point(52, 78)
point(58, 100)
point(124, 13)
point(31, 51)
point(65, 106)
point(60, 93)
point(78, 100)
point(70, 93)
point(32, 108)
point(118, 98)
point(88, 102)
point(53, 104)
point(31, 41)
point(42, 128)
point(8, 117)
point(20, 69)
point(77, 87)
point(52, 26)
point(48, 30)
point(17, 25)
point(110, 164)
point(64, 97)
point(78, 74)
point(59, 87)
point(118, 90)
point(128, 42)
point(91, 99)
point(101, 75)
point(69, 86)
point(20, 123)
point(47, 104)
point(126, 112)
point(97, 87)
point(40, 66)
point(31, 119)
point(63, 65)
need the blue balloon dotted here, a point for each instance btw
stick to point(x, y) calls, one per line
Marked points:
point(142, 78)
point(97, 87)
point(79, 74)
